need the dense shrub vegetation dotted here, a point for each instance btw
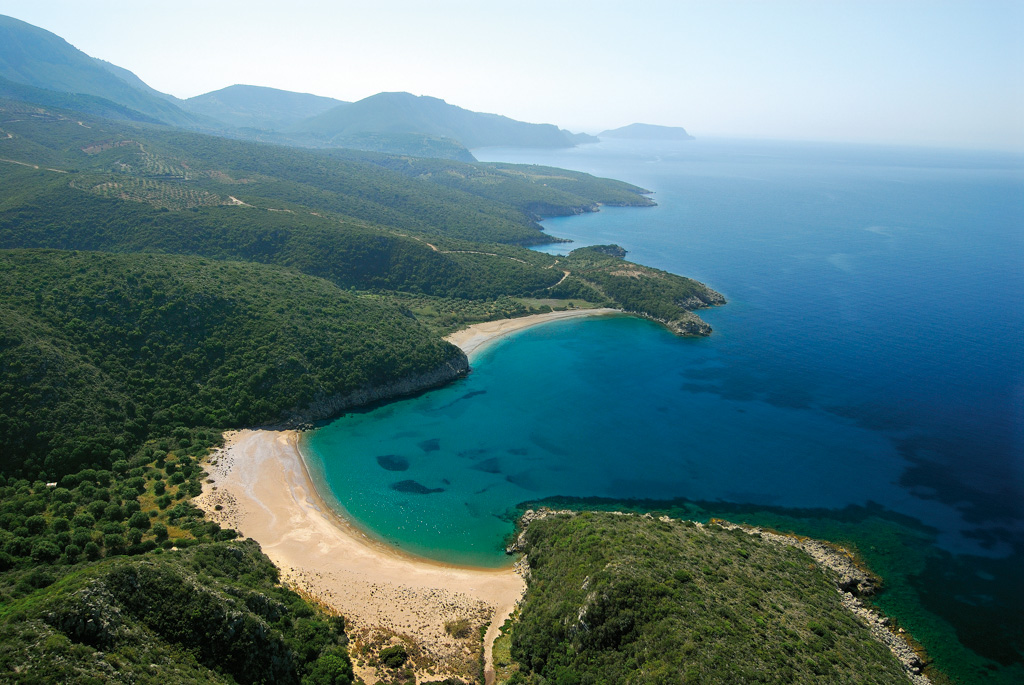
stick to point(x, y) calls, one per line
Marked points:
point(112, 575)
point(211, 613)
point(631, 599)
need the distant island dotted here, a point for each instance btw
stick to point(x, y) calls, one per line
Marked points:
point(647, 132)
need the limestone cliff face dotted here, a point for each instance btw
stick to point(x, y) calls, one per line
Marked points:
point(456, 366)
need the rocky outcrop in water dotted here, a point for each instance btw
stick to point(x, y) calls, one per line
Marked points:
point(687, 325)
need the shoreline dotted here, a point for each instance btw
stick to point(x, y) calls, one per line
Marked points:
point(475, 338)
point(388, 596)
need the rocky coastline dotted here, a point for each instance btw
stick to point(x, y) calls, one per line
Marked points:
point(453, 368)
point(688, 324)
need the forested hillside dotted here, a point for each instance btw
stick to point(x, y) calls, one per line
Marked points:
point(102, 351)
point(177, 169)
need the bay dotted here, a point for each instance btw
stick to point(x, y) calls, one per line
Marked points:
point(865, 381)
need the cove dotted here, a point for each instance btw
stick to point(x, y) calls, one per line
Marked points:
point(587, 408)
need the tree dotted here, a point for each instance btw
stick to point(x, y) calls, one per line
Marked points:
point(35, 524)
point(332, 668)
point(115, 543)
point(45, 551)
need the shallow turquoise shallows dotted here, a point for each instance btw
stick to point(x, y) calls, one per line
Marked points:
point(581, 408)
point(867, 370)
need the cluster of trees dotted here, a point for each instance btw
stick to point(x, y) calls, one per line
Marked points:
point(112, 575)
point(132, 507)
point(633, 599)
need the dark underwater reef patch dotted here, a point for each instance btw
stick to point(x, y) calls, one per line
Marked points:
point(413, 487)
point(487, 466)
point(393, 462)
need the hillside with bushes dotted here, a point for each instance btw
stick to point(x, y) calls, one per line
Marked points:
point(618, 598)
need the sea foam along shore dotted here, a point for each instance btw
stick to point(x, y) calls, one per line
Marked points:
point(261, 488)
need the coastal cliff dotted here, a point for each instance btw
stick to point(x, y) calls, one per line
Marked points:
point(454, 367)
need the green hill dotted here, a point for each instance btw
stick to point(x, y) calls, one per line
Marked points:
point(34, 57)
point(100, 351)
point(636, 600)
point(259, 107)
point(213, 613)
point(479, 202)
point(402, 113)
point(92, 105)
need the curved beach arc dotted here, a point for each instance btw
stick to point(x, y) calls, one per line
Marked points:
point(263, 489)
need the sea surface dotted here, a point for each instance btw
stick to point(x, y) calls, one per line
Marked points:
point(864, 383)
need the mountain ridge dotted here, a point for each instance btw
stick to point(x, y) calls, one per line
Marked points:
point(399, 112)
point(41, 67)
point(35, 57)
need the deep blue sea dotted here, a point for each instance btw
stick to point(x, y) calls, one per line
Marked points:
point(864, 383)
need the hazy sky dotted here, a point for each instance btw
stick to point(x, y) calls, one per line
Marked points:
point(915, 72)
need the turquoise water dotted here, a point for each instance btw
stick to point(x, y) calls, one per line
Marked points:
point(865, 381)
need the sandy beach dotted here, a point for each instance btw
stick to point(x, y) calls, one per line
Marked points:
point(258, 485)
point(474, 338)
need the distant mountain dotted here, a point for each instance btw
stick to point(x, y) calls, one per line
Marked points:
point(258, 107)
point(647, 132)
point(39, 67)
point(35, 57)
point(403, 113)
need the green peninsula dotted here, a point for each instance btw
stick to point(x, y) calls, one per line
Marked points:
point(633, 599)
